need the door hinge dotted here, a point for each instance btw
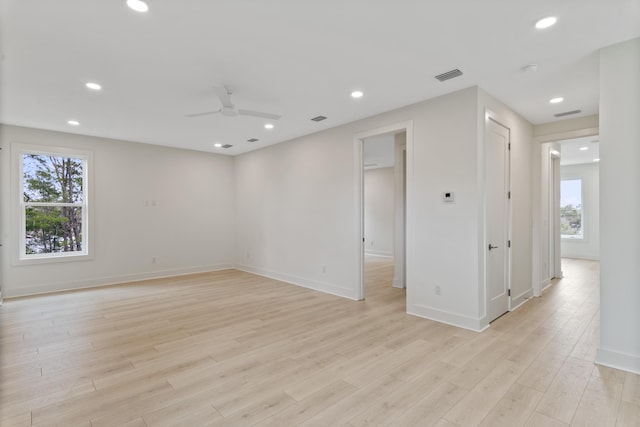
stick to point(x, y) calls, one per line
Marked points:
point(509, 146)
point(509, 292)
point(508, 243)
point(508, 194)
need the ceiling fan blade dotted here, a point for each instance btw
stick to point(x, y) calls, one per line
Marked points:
point(202, 114)
point(224, 96)
point(259, 114)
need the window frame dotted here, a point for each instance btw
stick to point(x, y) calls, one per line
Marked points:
point(21, 257)
point(569, 237)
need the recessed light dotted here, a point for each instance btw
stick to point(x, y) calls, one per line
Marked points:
point(268, 126)
point(546, 22)
point(138, 5)
point(73, 122)
point(217, 145)
point(93, 86)
point(356, 94)
point(556, 100)
point(596, 160)
point(584, 148)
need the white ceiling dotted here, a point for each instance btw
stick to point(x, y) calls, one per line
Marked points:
point(378, 151)
point(296, 58)
point(572, 150)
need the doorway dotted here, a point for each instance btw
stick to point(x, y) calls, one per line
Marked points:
point(381, 156)
point(497, 218)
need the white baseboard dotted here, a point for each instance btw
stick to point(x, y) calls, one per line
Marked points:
point(587, 257)
point(518, 300)
point(379, 254)
point(449, 318)
point(47, 288)
point(327, 288)
point(618, 360)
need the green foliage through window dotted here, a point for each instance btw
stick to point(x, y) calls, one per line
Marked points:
point(571, 224)
point(53, 196)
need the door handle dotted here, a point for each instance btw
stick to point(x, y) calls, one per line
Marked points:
point(492, 247)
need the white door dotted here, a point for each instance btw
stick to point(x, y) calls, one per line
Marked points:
point(497, 219)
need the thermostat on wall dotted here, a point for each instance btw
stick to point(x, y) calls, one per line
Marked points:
point(448, 197)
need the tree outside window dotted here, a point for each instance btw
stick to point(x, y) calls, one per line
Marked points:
point(571, 221)
point(54, 205)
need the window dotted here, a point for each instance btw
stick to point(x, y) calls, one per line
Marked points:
point(53, 204)
point(571, 222)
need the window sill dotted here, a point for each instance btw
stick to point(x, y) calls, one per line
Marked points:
point(53, 259)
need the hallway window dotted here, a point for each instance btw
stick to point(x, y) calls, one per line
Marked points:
point(571, 215)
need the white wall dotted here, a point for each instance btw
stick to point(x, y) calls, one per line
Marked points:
point(589, 247)
point(297, 205)
point(190, 229)
point(379, 211)
point(620, 206)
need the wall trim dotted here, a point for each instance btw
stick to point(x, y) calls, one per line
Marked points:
point(618, 360)
point(553, 137)
point(447, 317)
point(324, 287)
point(52, 288)
point(380, 254)
point(521, 299)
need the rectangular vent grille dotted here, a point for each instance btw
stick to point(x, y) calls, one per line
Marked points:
point(227, 146)
point(449, 75)
point(568, 113)
point(252, 140)
point(319, 118)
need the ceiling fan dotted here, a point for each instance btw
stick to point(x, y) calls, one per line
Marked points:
point(228, 109)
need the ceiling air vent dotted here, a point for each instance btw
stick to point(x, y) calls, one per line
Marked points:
point(227, 146)
point(567, 113)
point(319, 118)
point(449, 75)
point(252, 140)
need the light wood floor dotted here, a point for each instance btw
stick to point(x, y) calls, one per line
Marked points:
point(229, 348)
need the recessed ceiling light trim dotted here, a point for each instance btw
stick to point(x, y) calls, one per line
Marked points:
point(546, 22)
point(584, 148)
point(138, 5)
point(93, 86)
point(73, 122)
point(227, 146)
point(268, 126)
point(252, 140)
point(448, 75)
point(556, 100)
point(357, 94)
point(319, 118)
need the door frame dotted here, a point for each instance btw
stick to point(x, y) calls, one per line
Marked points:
point(492, 117)
point(358, 146)
point(542, 194)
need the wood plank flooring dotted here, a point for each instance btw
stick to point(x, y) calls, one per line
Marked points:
point(230, 348)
